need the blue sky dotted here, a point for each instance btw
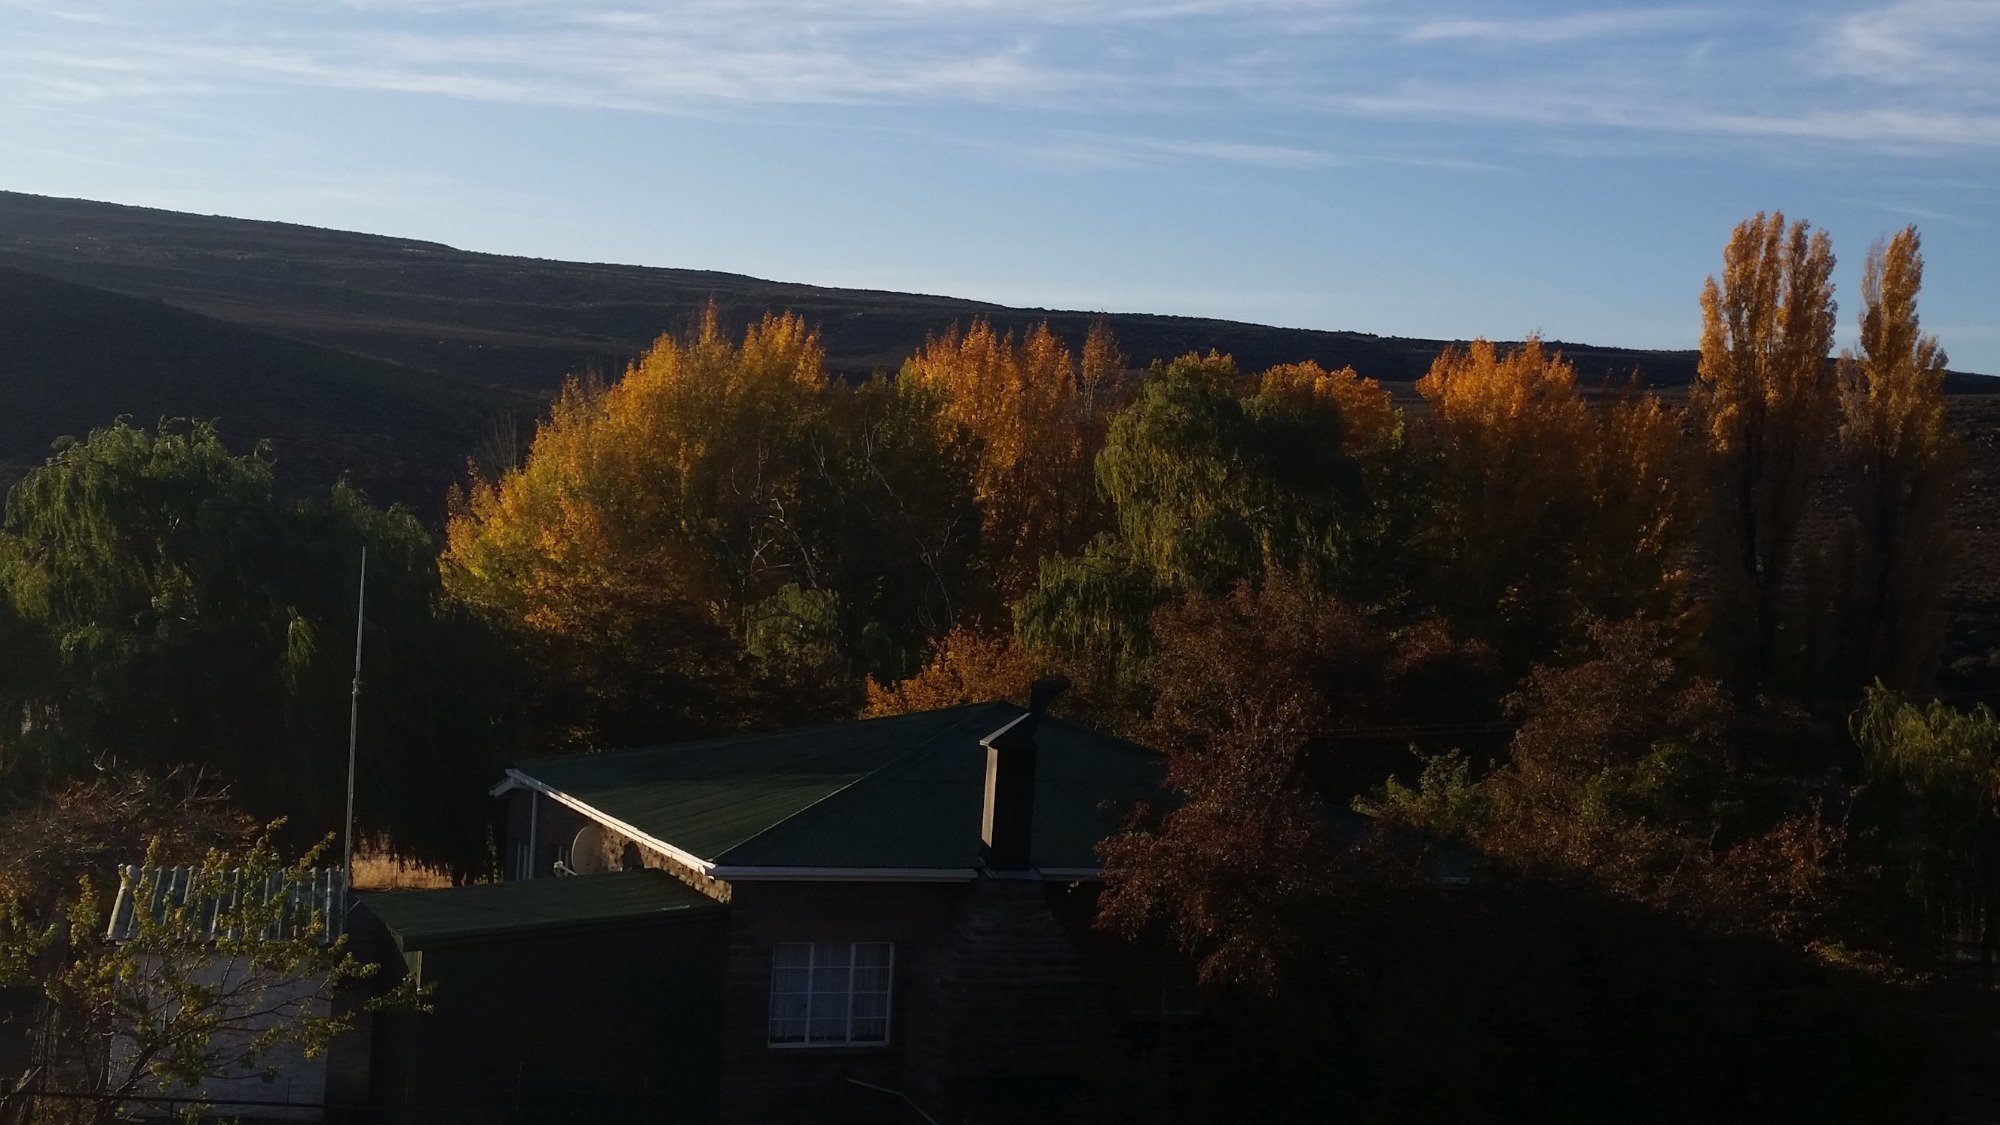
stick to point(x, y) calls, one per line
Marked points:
point(1443, 169)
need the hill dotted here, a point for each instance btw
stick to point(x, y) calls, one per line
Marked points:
point(72, 358)
point(524, 322)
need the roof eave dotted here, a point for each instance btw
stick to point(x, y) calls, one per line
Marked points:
point(518, 780)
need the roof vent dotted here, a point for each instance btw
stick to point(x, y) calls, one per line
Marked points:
point(1007, 823)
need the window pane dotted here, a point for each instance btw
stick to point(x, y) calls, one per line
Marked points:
point(789, 980)
point(870, 1031)
point(830, 978)
point(785, 1006)
point(788, 1031)
point(871, 980)
point(829, 1031)
point(870, 1004)
point(829, 1005)
point(872, 954)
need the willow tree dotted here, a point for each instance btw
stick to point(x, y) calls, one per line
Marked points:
point(1904, 466)
point(1207, 488)
point(1764, 400)
point(1546, 509)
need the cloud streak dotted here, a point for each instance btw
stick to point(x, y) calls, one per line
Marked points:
point(1910, 76)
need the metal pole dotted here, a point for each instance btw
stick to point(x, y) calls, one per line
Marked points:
point(353, 722)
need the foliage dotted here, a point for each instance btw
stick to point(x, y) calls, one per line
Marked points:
point(723, 533)
point(85, 828)
point(967, 668)
point(222, 982)
point(1931, 789)
point(1208, 487)
point(179, 609)
point(1764, 405)
point(1034, 416)
point(1904, 467)
point(1545, 508)
point(1254, 695)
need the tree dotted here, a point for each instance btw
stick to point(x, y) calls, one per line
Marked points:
point(235, 970)
point(1904, 465)
point(724, 536)
point(181, 611)
point(1931, 791)
point(1034, 416)
point(1546, 508)
point(1764, 403)
point(1264, 701)
point(966, 668)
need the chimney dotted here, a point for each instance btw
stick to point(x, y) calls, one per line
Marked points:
point(1008, 823)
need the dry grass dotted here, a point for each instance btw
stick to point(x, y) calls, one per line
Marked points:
point(380, 869)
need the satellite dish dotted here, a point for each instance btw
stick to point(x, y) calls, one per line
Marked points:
point(587, 853)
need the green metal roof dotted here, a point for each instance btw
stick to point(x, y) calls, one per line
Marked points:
point(900, 792)
point(422, 919)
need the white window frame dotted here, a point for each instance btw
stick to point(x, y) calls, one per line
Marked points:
point(816, 950)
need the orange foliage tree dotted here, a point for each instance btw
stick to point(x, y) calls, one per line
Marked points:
point(1034, 415)
point(1764, 402)
point(722, 513)
point(1904, 466)
point(1545, 507)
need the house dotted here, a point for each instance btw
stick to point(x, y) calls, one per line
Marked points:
point(878, 920)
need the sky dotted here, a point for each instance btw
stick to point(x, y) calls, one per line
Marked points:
point(1423, 169)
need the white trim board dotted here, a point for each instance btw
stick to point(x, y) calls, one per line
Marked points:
point(517, 780)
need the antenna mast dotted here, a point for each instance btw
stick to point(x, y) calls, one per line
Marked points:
point(353, 723)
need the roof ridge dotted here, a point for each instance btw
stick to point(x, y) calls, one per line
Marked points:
point(876, 772)
point(721, 739)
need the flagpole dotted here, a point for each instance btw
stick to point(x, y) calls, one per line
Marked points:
point(353, 723)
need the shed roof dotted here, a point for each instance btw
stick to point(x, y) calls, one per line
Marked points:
point(903, 792)
point(422, 919)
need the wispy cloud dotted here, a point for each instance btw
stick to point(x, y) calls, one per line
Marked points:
point(1907, 76)
point(1575, 27)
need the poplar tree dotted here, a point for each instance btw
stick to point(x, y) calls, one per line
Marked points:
point(1904, 465)
point(1764, 401)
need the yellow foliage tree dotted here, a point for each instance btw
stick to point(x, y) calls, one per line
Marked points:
point(1904, 465)
point(1547, 508)
point(1371, 426)
point(1764, 401)
point(1031, 412)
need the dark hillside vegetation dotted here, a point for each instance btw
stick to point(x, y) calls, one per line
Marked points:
point(527, 322)
point(73, 358)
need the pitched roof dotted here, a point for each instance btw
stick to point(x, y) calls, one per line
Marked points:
point(423, 919)
point(156, 893)
point(903, 792)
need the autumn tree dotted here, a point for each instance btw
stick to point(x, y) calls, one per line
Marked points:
point(1258, 698)
point(1544, 506)
point(1903, 466)
point(720, 536)
point(1034, 415)
point(1764, 401)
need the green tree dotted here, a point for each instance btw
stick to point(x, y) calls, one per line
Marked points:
point(1931, 795)
point(183, 611)
point(1208, 486)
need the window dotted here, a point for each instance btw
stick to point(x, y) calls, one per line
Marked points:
point(830, 993)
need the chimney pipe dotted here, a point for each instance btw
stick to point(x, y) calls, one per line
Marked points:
point(1008, 822)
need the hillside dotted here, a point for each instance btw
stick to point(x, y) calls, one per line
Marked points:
point(524, 322)
point(72, 358)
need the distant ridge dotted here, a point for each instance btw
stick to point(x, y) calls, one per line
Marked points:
point(74, 358)
point(525, 322)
